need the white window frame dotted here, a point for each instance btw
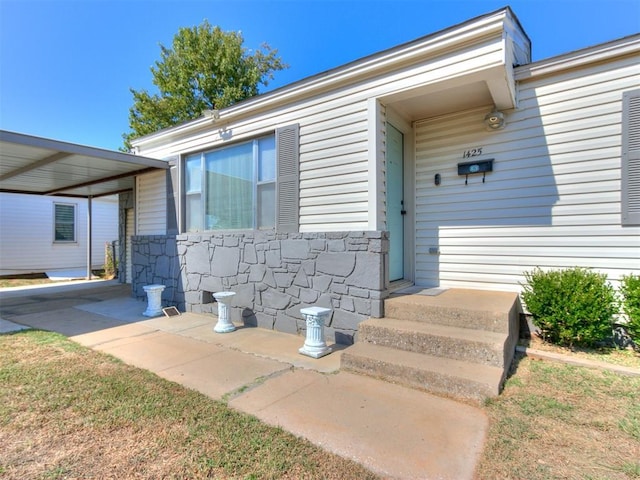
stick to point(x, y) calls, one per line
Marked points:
point(202, 193)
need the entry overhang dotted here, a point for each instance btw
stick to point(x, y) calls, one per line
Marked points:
point(36, 165)
point(476, 72)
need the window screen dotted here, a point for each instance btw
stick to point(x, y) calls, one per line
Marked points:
point(64, 222)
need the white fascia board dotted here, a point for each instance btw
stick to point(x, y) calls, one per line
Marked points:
point(376, 64)
point(450, 39)
point(580, 58)
point(165, 134)
point(521, 44)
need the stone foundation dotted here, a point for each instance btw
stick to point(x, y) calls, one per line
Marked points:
point(274, 275)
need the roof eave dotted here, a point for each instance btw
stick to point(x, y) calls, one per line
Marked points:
point(76, 149)
point(366, 67)
point(629, 45)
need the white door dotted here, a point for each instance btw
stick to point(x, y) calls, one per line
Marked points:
point(395, 202)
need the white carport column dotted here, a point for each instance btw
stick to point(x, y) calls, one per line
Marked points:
point(89, 236)
point(315, 345)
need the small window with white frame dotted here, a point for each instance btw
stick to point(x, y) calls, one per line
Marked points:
point(64, 222)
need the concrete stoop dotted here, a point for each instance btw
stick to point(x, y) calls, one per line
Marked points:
point(458, 344)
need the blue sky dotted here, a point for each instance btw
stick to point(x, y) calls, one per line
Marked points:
point(66, 66)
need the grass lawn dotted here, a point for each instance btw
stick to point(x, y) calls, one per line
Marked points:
point(557, 421)
point(70, 412)
point(32, 279)
point(67, 412)
point(24, 280)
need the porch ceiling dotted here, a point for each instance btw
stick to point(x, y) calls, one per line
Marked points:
point(490, 87)
point(423, 104)
point(41, 166)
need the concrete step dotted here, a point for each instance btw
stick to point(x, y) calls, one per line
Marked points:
point(441, 376)
point(457, 343)
point(486, 348)
point(464, 308)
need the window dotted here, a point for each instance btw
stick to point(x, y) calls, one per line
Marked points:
point(631, 158)
point(64, 222)
point(232, 187)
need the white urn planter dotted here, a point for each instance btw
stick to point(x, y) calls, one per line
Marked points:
point(315, 345)
point(154, 300)
point(224, 324)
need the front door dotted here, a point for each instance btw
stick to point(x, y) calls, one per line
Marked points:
point(395, 202)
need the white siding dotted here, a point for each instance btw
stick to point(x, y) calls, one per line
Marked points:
point(26, 233)
point(334, 136)
point(151, 204)
point(553, 199)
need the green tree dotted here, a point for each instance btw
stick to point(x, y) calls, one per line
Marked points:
point(205, 68)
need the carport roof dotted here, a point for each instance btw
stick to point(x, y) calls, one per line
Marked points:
point(42, 166)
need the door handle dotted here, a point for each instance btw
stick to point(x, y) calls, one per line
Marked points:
point(403, 212)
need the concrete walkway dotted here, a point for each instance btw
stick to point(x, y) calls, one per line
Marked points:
point(393, 431)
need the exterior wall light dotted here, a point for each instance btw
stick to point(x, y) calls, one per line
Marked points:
point(494, 120)
point(211, 114)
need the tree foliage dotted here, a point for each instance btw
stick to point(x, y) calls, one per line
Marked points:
point(205, 68)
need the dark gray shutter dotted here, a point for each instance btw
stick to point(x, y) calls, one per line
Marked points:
point(631, 158)
point(288, 179)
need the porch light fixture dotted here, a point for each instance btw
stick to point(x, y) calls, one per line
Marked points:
point(211, 114)
point(494, 120)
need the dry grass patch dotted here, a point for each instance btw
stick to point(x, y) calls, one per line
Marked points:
point(614, 356)
point(69, 412)
point(556, 421)
point(24, 280)
point(33, 279)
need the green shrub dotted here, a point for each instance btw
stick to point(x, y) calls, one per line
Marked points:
point(630, 290)
point(572, 307)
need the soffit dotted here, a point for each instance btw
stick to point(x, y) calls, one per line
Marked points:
point(36, 165)
point(422, 103)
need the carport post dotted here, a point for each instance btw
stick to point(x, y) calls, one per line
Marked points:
point(89, 237)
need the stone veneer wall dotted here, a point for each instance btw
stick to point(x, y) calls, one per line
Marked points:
point(274, 275)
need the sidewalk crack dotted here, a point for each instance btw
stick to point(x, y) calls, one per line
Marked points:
point(256, 382)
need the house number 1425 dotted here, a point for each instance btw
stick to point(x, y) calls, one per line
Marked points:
point(472, 152)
